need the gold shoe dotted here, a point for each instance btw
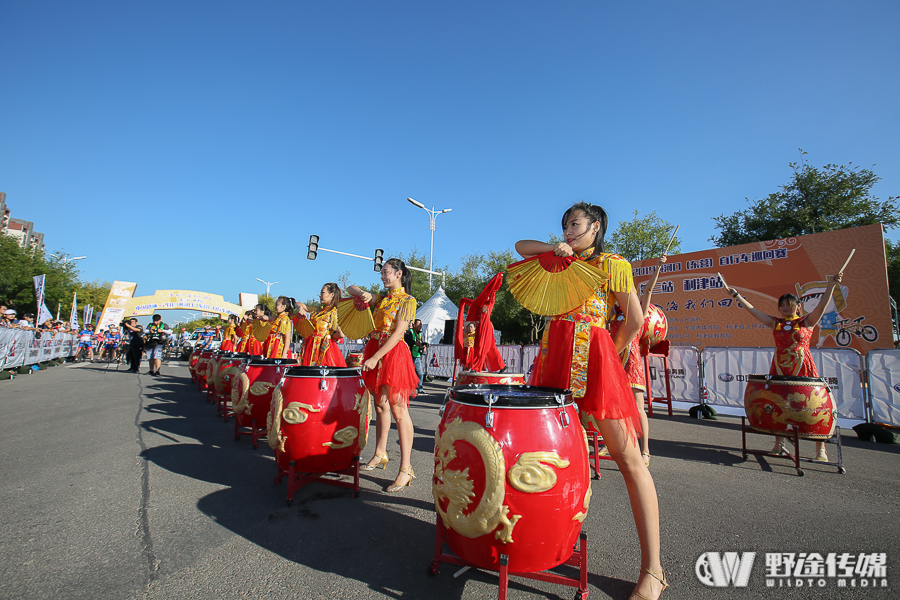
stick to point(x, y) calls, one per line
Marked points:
point(396, 488)
point(821, 457)
point(604, 451)
point(778, 449)
point(655, 575)
point(646, 457)
point(382, 462)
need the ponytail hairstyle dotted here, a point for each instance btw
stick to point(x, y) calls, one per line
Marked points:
point(288, 304)
point(266, 311)
point(594, 214)
point(405, 275)
point(334, 289)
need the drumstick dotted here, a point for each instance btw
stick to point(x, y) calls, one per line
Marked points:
point(722, 279)
point(669, 245)
point(846, 262)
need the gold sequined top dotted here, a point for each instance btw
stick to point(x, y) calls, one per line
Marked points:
point(396, 306)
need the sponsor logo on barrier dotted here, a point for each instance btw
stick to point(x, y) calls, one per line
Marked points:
point(726, 377)
point(897, 387)
point(795, 570)
point(434, 361)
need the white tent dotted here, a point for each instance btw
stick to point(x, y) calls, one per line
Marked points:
point(434, 313)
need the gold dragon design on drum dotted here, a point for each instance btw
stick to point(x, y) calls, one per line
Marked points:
point(292, 413)
point(782, 409)
point(363, 404)
point(458, 489)
point(531, 476)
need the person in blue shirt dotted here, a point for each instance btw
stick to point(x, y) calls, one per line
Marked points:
point(85, 340)
point(206, 337)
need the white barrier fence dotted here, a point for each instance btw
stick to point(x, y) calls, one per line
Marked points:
point(883, 369)
point(684, 375)
point(24, 348)
point(726, 371)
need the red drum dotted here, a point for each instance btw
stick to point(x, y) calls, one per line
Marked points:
point(775, 403)
point(192, 364)
point(656, 326)
point(354, 359)
point(319, 419)
point(251, 393)
point(473, 377)
point(202, 367)
point(519, 485)
point(228, 365)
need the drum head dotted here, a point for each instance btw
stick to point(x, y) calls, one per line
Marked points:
point(320, 372)
point(510, 396)
point(240, 355)
point(276, 362)
point(787, 379)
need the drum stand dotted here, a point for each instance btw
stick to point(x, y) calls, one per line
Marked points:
point(578, 559)
point(297, 480)
point(594, 440)
point(661, 350)
point(795, 439)
point(256, 433)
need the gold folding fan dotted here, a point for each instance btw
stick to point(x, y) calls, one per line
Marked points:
point(261, 329)
point(355, 319)
point(551, 285)
point(302, 326)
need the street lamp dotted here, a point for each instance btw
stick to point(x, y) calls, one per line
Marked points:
point(269, 284)
point(432, 215)
point(64, 259)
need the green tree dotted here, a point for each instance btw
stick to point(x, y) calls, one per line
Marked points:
point(19, 266)
point(643, 237)
point(814, 200)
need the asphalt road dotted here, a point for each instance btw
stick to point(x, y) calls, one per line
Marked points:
point(129, 487)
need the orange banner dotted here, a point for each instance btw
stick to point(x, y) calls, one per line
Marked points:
point(701, 313)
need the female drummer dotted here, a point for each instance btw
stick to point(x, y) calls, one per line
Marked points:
point(634, 366)
point(388, 368)
point(278, 342)
point(469, 345)
point(792, 336)
point(319, 349)
point(230, 337)
point(578, 353)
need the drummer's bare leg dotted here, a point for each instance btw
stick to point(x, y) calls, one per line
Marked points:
point(382, 429)
point(400, 412)
point(821, 455)
point(778, 448)
point(645, 424)
point(644, 503)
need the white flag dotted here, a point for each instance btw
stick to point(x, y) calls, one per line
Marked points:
point(73, 317)
point(43, 312)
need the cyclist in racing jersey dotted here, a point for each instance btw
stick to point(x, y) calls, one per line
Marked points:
point(206, 337)
point(111, 341)
point(85, 340)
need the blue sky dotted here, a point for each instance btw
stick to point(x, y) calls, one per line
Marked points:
point(220, 135)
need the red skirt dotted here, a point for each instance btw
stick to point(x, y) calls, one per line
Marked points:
point(333, 356)
point(634, 367)
point(607, 394)
point(395, 369)
point(227, 346)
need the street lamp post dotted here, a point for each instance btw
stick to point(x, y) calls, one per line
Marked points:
point(269, 284)
point(432, 214)
point(66, 259)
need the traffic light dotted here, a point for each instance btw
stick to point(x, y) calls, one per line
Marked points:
point(379, 258)
point(313, 247)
